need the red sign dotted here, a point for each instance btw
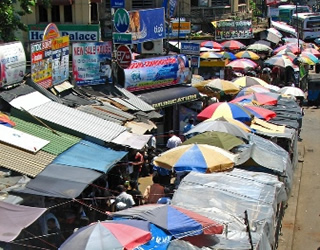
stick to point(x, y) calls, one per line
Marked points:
point(124, 56)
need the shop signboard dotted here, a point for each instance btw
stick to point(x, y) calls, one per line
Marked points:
point(76, 33)
point(117, 3)
point(229, 30)
point(12, 63)
point(181, 28)
point(41, 63)
point(190, 48)
point(157, 72)
point(195, 61)
point(51, 32)
point(147, 25)
point(124, 56)
point(121, 20)
point(122, 38)
point(60, 59)
point(91, 63)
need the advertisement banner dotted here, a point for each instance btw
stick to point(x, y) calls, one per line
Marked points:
point(60, 59)
point(76, 33)
point(91, 63)
point(157, 72)
point(147, 25)
point(188, 48)
point(41, 63)
point(184, 28)
point(12, 63)
point(229, 30)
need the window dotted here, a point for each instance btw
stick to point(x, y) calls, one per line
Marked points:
point(142, 4)
point(221, 3)
point(55, 13)
point(68, 13)
point(43, 14)
point(194, 3)
point(94, 13)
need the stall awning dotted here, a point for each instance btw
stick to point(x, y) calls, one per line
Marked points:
point(170, 96)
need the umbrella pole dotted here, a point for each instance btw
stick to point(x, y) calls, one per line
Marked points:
point(246, 221)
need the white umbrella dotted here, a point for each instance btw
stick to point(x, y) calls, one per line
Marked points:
point(290, 90)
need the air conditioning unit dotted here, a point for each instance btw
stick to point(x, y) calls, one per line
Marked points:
point(152, 47)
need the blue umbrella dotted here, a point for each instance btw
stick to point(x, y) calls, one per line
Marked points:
point(228, 55)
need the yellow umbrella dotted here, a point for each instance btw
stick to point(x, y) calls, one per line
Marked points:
point(248, 81)
point(220, 85)
point(247, 54)
point(196, 157)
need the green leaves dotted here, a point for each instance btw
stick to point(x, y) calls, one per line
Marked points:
point(10, 20)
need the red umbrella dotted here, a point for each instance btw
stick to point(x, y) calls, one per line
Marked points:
point(242, 64)
point(293, 48)
point(265, 113)
point(211, 45)
point(233, 45)
point(267, 98)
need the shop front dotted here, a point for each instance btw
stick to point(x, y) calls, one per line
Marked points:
point(210, 69)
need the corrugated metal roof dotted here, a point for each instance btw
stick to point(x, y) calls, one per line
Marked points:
point(135, 101)
point(29, 101)
point(58, 143)
point(24, 162)
point(108, 112)
point(77, 120)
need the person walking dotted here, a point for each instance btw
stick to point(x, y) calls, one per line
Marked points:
point(174, 141)
point(189, 126)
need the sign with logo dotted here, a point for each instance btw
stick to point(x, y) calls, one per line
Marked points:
point(122, 38)
point(41, 63)
point(76, 33)
point(124, 56)
point(157, 72)
point(60, 59)
point(91, 63)
point(185, 27)
point(229, 30)
point(12, 63)
point(117, 3)
point(121, 20)
point(51, 32)
point(190, 48)
point(147, 25)
point(195, 61)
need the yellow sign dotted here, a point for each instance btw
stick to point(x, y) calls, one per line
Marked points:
point(184, 27)
point(213, 63)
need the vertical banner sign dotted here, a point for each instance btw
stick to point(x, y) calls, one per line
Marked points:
point(60, 59)
point(91, 63)
point(157, 72)
point(195, 61)
point(147, 25)
point(12, 63)
point(41, 63)
point(172, 7)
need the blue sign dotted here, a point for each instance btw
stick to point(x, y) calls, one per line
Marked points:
point(122, 38)
point(195, 61)
point(190, 48)
point(121, 20)
point(147, 25)
point(117, 3)
point(172, 7)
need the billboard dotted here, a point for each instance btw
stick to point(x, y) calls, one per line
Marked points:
point(147, 25)
point(91, 63)
point(12, 63)
point(60, 59)
point(157, 72)
point(41, 63)
point(229, 30)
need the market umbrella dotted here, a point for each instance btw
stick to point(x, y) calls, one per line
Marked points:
point(211, 45)
point(302, 58)
point(311, 45)
point(290, 47)
point(273, 88)
point(225, 109)
point(205, 49)
point(210, 55)
point(293, 40)
point(233, 45)
point(265, 113)
point(247, 54)
point(180, 222)
point(312, 51)
point(287, 53)
point(221, 125)
point(266, 98)
point(259, 47)
point(108, 235)
point(196, 157)
point(252, 89)
point(248, 81)
point(281, 61)
point(224, 86)
point(242, 64)
point(215, 138)
point(228, 55)
point(294, 91)
point(310, 56)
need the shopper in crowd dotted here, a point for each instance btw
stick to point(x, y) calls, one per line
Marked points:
point(153, 192)
point(174, 141)
point(123, 200)
point(135, 192)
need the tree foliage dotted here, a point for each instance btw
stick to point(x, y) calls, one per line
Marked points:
point(10, 20)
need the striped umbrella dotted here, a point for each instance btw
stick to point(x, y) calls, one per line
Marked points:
point(313, 51)
point(252, 89)
point(248, 81)
point(247, 54)
point(241, 64)
point(310, 56)
point(233, 45)
point(267, 98)
point(222, 86)
point(210, 55)
point(259, 47)
point(211, 45)
point(290, 47)
point(281, 61)
point(228, 55)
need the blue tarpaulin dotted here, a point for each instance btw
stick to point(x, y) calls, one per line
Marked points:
point(86, 154)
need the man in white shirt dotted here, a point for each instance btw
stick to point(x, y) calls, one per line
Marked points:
point(123, 200)
point(174, 141)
